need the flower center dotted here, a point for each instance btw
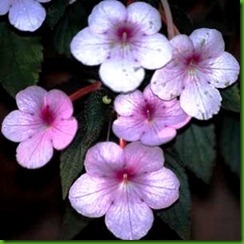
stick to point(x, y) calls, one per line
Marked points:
point(148, 112)
point(124, 34)
point(125, 175)
point(47, 115)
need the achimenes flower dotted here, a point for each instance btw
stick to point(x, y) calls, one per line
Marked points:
point(44, 121)
point(199, 66)
point(124, 41)
point(124, 184)
point(25, 15)
point(145, 117)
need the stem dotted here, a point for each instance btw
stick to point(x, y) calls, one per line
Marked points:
point(171, 28)
point(122, 142)
point(84, 91)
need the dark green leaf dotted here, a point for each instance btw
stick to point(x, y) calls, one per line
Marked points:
point(21, 59)
point(73, 223)
point(72, 22)
point(178, 216)
point(229, 144)
point(55, 12)
point(231, 98)
point(196, 149)
point(91, 124)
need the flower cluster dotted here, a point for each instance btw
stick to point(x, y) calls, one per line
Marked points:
point(124, 183)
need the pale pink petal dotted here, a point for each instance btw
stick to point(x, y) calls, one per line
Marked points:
point(30, 100)
point(90, 48)
point(59, 104)
point(129, 128)
point(121, 73)
point(222, 71)
point(200, 99)
point(4, 6)
point(92, 196)
point(105, 15)
point(153, 51)
point(128, 218)
point(18, 126)
point(143, 159)
point(158, 189)
point(35, 152)
point(63, 132)
point(103, 159)
point(208, 43)
point(128, 104)
point(27, 15)
point(146, 16)
point(157, 134)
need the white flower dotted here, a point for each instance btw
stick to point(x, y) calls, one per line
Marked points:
point(124, 41)
point(25, 15)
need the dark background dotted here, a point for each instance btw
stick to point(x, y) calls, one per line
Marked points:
point(31, 205)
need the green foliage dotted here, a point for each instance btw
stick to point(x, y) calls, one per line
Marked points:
point(178, 216)
point(21, 58)
point(231, 98)
point(229, 143)
point(73, 21)
point(196, 148)
point(91, 123)
point(55, 12)
point(73, 223)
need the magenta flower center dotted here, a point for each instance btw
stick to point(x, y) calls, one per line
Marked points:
point(47, 115)
point(148, 111)
point(125, 33)
point(125, 175)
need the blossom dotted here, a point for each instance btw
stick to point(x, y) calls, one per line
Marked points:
point(25, 15)
point(124, 184)
point(44, 121)
point(124, 41)
point(198, 67)
point(145, 117)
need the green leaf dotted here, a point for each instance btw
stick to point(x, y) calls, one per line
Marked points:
point(74, 20)
point(178, 216)
point(91, 125)
point(196, 149)
point(229, 143)
point(73, 223)
point(231, 98)
point(21, 59)
point(55, 12)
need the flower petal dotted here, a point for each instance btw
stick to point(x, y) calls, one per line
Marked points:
point(63, 132)
point(143, 159)
point(128, 218)
point(18, 126)
point(157, 134)
point(105, 15)
point(5, 6)
point(128, 104)
point(121, 73)
point(146, 16)
point(200, 99)
point(59, 104)
point(129, 128)
point(158, 189)
point(43, 1)
point(103, 159)
point(209, 43)
point(91, 196)
point(27, 15)
point(153, 51)
point(30, 100)
point(224, 70)
point(90, 48)
point(35, 152)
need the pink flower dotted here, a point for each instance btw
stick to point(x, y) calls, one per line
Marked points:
point(25, 15)
point(124, 41)
point(145, 117)
point(124, 184)
point(199, 66)
point(44, 121)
